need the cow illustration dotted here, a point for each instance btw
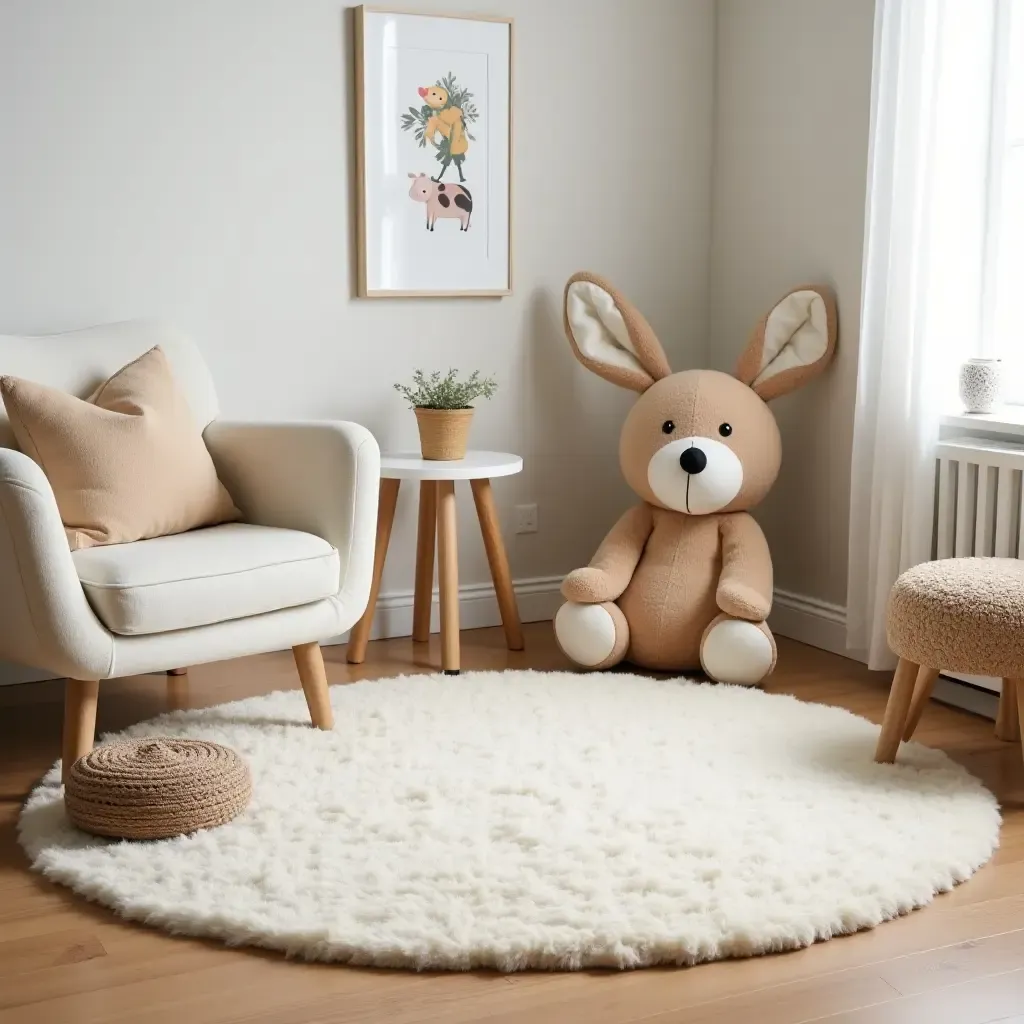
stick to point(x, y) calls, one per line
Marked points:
point(441, 200)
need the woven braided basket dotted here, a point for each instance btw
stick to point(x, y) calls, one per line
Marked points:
point(156, 788)
point(444, 433)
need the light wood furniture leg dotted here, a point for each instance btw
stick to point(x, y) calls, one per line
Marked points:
point(448, 576)
point(1008, 717)
point(1018, 686)
point(309, 660)
point(922, 694)
point(79, 721)
point(896, 711)
point(177, 671)
point(177, 692)
point(425, 537)
point(497, 559)
point(360, 635)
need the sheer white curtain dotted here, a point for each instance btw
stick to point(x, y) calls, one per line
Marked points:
point(922, 284)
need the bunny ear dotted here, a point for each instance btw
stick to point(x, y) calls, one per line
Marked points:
point(792, 344)
point(610, 336)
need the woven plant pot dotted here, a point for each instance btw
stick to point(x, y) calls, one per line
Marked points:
point(156, 788)
point(443, 433)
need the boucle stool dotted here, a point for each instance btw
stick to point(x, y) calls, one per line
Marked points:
point(156, 788)
point(957, 615)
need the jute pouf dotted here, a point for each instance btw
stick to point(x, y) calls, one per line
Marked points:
point(156, 788)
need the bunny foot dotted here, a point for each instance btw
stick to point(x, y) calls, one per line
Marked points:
point(594, 636)
point(737, 651)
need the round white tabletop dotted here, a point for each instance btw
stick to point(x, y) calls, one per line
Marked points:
point(475, 466)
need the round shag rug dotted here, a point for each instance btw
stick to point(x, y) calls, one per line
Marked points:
point(529, 819)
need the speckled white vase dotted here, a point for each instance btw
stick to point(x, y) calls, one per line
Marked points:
point(980, 383)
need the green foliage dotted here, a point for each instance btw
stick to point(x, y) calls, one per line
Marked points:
point(448, 392)
point(458, 96)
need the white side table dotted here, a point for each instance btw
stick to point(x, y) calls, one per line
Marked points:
point(437, 515)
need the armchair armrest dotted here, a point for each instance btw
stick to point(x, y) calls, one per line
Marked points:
point(45, 619)
point(321, 477)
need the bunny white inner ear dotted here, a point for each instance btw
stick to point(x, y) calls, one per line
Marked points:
point(598, 328)
point(796, 334)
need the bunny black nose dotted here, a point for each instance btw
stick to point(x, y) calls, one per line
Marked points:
point(693, 460)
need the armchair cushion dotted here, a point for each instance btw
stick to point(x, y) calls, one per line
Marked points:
point(205, 576)
point(128, 463)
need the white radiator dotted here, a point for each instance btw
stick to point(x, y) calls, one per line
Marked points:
point(977, 512)
point(978, 498)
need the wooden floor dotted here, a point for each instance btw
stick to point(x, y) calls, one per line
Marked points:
point(62, 960)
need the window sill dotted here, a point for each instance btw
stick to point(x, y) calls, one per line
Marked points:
point(1006, 421)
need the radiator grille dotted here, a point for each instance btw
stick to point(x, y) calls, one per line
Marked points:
point(978, 499)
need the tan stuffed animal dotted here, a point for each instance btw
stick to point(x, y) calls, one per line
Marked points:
point(684, 579)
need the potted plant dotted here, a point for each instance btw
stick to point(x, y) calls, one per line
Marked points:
point(444, 411)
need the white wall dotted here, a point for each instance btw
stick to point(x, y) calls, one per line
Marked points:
point(793, 86)
point(192, 160)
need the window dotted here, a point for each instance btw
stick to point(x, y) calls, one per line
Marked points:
point(1003, 326)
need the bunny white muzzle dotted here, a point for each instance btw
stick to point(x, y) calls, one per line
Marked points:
point(696, 475)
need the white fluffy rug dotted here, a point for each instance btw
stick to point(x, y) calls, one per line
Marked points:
point(527, 819)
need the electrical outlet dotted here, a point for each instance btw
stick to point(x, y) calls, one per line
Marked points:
point(526, 518)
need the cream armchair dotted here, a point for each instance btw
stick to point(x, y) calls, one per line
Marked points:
point(296, 571)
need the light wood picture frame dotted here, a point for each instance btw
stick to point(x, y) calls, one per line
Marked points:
point(433, 122)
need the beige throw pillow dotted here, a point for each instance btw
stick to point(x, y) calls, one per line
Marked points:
point(127, 464)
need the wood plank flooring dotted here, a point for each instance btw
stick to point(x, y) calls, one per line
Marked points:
point(65, 961)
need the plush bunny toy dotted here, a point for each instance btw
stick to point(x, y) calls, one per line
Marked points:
point(684, 579)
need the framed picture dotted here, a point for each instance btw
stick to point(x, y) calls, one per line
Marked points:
point(433, 153)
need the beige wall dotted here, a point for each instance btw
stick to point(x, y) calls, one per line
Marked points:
point(193, 161)
point(793, 84)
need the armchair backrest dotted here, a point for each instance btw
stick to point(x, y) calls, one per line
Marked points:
point(79, 361)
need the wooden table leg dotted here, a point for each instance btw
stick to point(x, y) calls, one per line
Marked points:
point(425, 538)
point(896, 711)
point(497, 559)
point(448, 576)
point(360, 635)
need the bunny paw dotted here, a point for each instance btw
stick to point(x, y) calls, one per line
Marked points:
point(592, 635)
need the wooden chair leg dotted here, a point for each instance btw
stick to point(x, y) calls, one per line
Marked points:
point(80, 697)
point(426, 536)
point(360, 634)
point(922, 694)
point(1018, 685)
point(309, 660)
point(896, 711)
point(448, 575)
point(497, 559)
point(177, 692)
point(1008, 722)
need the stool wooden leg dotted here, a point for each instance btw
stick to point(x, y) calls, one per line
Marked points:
point(448, 575)
point(490, 527)
point(896, 711)
point(360, 635)
point(922, 694)
point(426, 535)
point(309, 660)
point(1008, 717)
point(80, 696)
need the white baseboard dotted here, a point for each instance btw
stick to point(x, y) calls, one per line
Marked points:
point(797, 616)
point(809, 620)
point(538, 600)
point(823, 625)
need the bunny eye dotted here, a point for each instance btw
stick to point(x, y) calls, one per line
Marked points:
point(725, 429)
point(667, 427)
